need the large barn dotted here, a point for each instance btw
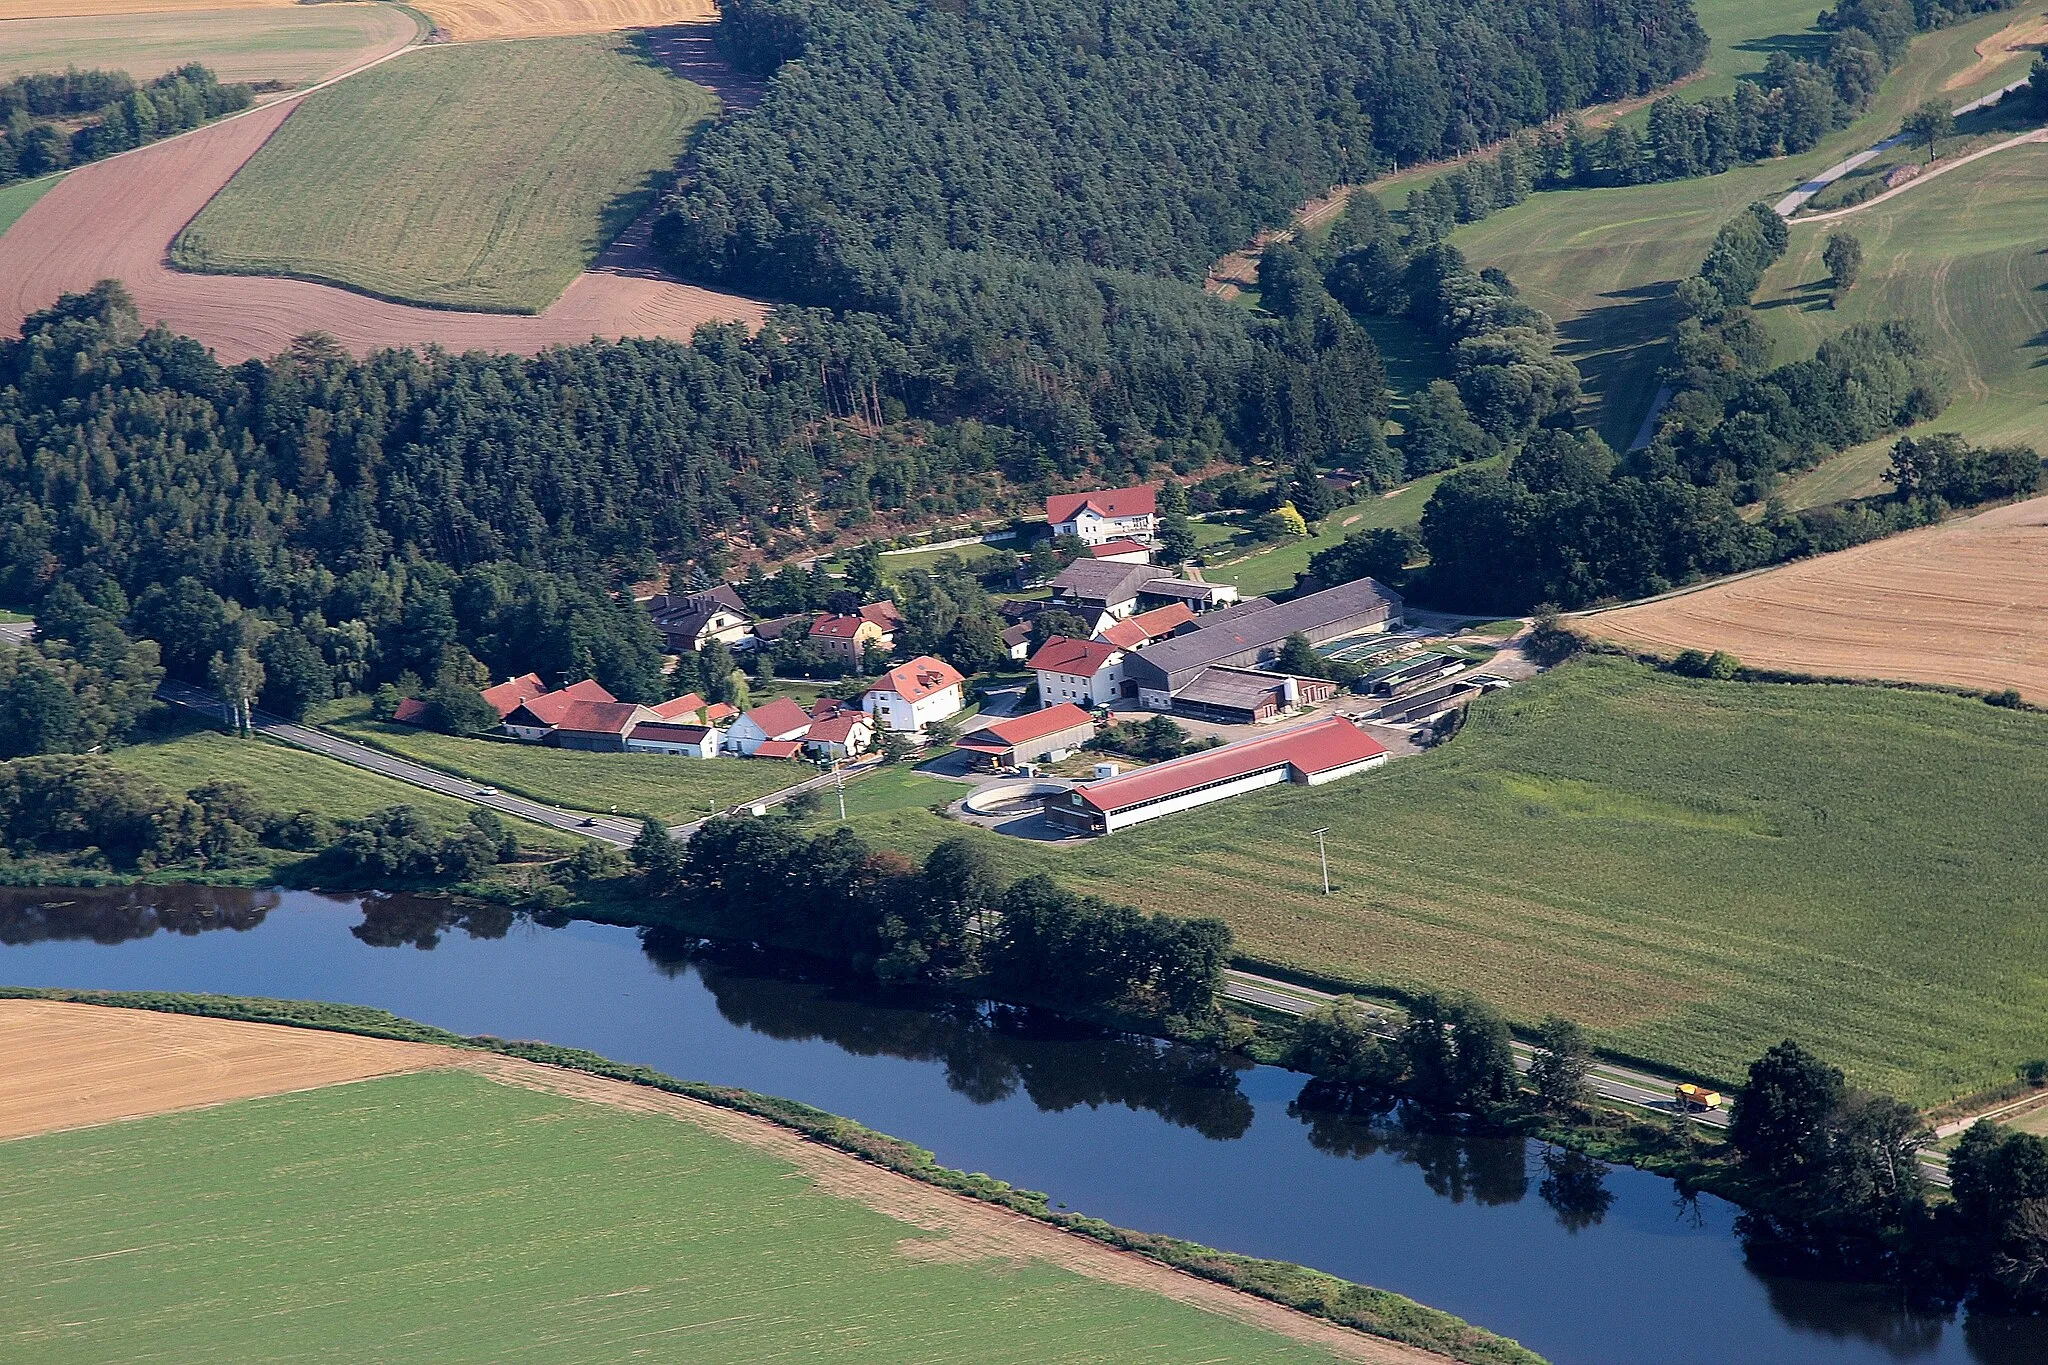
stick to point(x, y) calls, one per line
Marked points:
point(1309, 754)
point(1251, 634)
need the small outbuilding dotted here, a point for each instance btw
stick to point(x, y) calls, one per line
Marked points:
point(1034, 737)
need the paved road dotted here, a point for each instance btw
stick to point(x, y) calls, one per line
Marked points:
point(1792, 202)
point(1638, 1088)
point(17, 632)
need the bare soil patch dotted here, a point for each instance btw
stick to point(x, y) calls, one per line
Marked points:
point(468, 20)
point(115, 220)
point(1964, 604)
point(72, 1066)
point(2019, 36)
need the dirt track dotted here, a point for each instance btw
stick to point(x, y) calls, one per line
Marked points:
point(72, 1066)
point(1964, 604)
point(66, 1065)
point(116, 220)
point(468, 20)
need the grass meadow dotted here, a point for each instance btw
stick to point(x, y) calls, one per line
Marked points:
point(1604, 262)
point(671, 789)
point(1693, 869)
point(1967, 258)
point(19, 198)
point(180, 753)
point(443, 1216)
point(294, 45)
point(481, 176)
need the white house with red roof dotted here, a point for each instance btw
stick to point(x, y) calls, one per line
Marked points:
point(1106, 514)
point(537, 716)
point(911, 696)
point(510, 695)
point(780, 721)
point(845, 638)
point(673, 738)
point(1086, 672)
point(1121, 552)
point(1135, 632)
point(1309, 754)
point(840, 735)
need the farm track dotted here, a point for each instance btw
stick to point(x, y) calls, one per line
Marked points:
point(116, 219)
point(1964, 605)
point(75, 1065)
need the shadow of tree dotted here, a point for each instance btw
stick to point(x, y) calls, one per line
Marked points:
point(1810, 46)
point(1617, 348)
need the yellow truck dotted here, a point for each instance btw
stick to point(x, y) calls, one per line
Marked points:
point(1692, 1098)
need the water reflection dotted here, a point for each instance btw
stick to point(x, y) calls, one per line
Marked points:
point(1575, 1187)
point(989, 1052)
point(1344, 1121)
point(396, 920)
point(111, 915)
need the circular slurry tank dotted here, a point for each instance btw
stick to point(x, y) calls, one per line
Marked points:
point(1013, 798)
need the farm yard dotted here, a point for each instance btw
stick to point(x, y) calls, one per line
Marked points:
point(1965, 605)
point(295, 46)
point(1695, 870)
point(672, 789)
point(504, 1204)
point(483, 177)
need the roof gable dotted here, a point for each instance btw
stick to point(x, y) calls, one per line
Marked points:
point(506, 697)
point(689, 704)
point(1031, 725)
point(918, 679)
point(1084, 658)
point(1105, 580)
point(779, 717)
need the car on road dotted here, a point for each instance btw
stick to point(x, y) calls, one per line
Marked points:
point(486, 791)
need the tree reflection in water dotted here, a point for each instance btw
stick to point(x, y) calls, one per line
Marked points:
point(1355, 1122)
point(990, 1052)
point(397, 920)
point(1575, 1187)
point(122, 914)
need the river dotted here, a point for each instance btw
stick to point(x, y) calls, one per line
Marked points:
point(1585, 1263)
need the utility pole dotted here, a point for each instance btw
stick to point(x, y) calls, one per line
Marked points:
point(1323, 851)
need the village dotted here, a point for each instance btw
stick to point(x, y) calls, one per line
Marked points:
point(1127, 689)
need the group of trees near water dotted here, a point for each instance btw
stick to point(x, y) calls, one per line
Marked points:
point(45, 124)
point(951, 920)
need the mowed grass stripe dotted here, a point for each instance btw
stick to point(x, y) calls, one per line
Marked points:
point(481, 176)
point(1695, 870)
point(444, 1216)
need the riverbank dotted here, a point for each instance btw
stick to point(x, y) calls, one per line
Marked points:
point(1375, 1312)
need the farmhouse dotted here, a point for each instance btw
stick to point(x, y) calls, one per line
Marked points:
point(1135, 632)
point(1034, 737)
point(1017, 642)
point(779, 720)
point(1104, 515)
point(1121, 552)
point(841, 734)
point(599, 726)
point(1310, 754)
point(911, 696)
point(509, 695)
point(535, 717)
point(690, 621)
point(1089, 672)
point(885, 617)
point(1251, 633)
point(844, 638)
point(1094, 587)
point(662, 737)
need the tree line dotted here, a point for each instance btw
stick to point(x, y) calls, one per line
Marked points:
point(951, 920)
point(36, 109)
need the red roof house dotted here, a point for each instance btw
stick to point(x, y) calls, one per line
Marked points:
point(1029, 738)
point(779, 748)
point(911, 696)
point(1142, 501)
point(1089, 672)
point(781, 719)
point(1135, 632)
point(599, 725)
point(507, 696)
point(411, 711)
point(679, 708)
point(1122, 551)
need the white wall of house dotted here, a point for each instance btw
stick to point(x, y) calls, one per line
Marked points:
point(707, 749)
point(1085, 690)
point(746, 735)
point(1092, 528)
point(535, 733)
point(1173, 805)
point(891, 712)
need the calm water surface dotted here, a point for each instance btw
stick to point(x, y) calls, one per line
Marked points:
point(1582, 1262)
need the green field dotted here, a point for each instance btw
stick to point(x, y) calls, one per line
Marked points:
point(482, 175)
point(17, 199)
point(671, 789)
point(295, 45)
point(1603, 262)
point(1744, 33)
point(447, 1217)
point(183, 755)
point(1693, 869)
point(1965, 257)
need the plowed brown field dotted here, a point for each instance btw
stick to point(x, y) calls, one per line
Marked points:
point(1964, 604)
point(467, 20)
point(115, 220)
point(66, 1065)
point(70, 1066)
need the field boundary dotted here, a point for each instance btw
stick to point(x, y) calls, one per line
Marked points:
point(1376, 1313)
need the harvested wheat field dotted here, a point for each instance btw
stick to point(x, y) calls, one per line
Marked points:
point(590, 1212)
point(469, 20)
point(64, 9)
point(72, 1066)
point(115, 220)
point(1964, 604)
point(296, 46)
